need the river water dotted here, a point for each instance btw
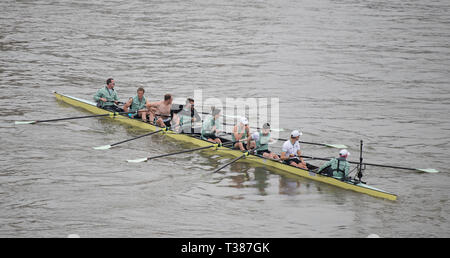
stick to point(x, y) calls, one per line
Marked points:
point(342, 71)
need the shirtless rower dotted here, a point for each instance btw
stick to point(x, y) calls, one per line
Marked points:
point(160, 111)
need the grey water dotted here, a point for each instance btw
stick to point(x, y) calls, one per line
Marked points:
point(343, 71)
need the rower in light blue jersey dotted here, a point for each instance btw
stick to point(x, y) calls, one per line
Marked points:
point(138, 104)
point(261, 141)
point(185, 120)
point(212, 126)
point(107, 98)
point(337, 167)
point(240, 134)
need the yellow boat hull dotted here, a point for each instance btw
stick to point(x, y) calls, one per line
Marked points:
point(361, 188)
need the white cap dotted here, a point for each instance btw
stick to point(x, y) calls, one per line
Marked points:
point(255, 136)
point(344, 153)
point(296, 133)
point(244, 120)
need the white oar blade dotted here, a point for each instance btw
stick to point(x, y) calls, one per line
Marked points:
point(137, 160)
point(428, 170)
point(104, 147)
point(24, 122)
point(337, 146)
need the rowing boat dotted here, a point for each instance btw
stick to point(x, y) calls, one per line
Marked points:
point(257, 160)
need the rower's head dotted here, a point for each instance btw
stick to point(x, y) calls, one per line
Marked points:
point(110, 83)
point(215, 113)
point(295, 135)
point(266, 129)
point(189, 103)
point(140, 92)
point(168, 98)
point(344, 153)
point(244, 121)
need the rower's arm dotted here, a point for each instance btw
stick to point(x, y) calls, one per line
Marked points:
point(197, 116)
point(153, 104)
point(328, 163)
point(299, 154)
point(176, 120)
point(284, 152)
point(98, 95)
point(237, 136)
point(242, 134)
point(127, 105)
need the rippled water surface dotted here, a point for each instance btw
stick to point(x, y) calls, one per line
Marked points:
point(342, 70)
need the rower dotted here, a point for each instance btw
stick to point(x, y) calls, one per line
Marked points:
point(160, 111)
point(240, 134)
point(187, 117)
point(212, 126)
point(261, 142)
point(107, 98)
point(291, 154)
point(138, 104)
point(337, 167)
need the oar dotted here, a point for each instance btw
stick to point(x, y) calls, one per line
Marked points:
point(170, 154)
point(259, 128)
point(233, 161)
point(106, 147)
point(175, 153)
point(337, 146)
point(425, 170)
point(112, 101)
point(69, 118)
point(206, 113)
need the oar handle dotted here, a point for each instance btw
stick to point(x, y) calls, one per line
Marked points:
point(112, 101)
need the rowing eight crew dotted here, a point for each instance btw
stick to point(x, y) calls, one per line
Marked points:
point(160, 113)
